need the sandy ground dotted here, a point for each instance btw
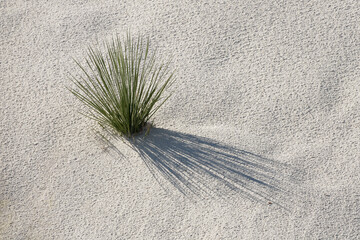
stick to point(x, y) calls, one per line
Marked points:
point(260, 139)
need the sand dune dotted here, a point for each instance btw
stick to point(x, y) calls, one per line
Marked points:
point(260, 139)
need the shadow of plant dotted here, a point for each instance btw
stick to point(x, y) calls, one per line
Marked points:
point(200, 167)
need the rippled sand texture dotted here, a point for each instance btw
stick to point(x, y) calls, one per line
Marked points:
point(260, 139)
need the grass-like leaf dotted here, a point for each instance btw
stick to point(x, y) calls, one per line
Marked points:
point(124, 86)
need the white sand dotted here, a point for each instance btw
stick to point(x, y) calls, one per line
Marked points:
point(266, 109)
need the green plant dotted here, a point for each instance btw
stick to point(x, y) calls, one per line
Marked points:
point(124, 86)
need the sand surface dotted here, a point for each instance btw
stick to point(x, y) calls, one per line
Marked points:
point(260, 139)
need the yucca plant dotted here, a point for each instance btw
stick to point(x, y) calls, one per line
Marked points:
point(122, 86)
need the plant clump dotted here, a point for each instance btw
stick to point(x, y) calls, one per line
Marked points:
point(123, 86)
